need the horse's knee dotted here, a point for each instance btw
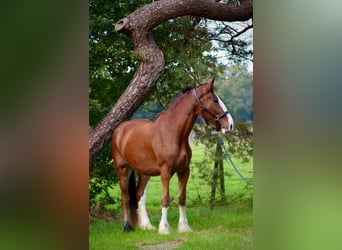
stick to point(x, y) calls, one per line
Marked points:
point(165, 202)
point(182, 200)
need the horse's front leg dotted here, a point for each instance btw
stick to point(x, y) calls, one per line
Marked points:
point(143, 220)
point(182, 181)
point(164, 227)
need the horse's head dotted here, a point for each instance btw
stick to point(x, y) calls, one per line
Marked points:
point(212, 108)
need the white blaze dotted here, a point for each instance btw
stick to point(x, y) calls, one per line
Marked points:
point(230, 118)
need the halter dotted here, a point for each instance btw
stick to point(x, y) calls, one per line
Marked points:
point(203, 110)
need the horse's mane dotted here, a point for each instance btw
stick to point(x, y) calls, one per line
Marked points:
point(175, 99)
point(184, 90)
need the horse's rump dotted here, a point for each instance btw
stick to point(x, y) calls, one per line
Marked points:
point(131, 138)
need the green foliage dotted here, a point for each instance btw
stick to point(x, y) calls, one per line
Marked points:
point(187, 61)
point(235, 87)
point(238, 142)
point(98, 185)
point(98, 190)
point(112, 61)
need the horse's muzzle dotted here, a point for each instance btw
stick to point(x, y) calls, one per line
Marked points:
point(229, 127)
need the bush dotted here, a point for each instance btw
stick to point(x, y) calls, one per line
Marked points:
point(102, 176)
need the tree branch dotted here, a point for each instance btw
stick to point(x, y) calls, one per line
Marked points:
point(242, 31)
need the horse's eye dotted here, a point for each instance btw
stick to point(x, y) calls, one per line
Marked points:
point(216, 100)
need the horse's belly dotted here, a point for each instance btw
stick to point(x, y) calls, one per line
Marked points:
point(147, 169)
point(150, 171)
point(143, 163)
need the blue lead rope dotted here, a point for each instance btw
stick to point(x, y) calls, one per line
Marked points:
point(231, 162)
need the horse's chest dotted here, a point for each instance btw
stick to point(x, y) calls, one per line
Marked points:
point(180, 159)
point(175, 156)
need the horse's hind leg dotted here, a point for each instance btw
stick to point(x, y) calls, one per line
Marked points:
point(182, 181)
point(143, 220)
point(124, 174)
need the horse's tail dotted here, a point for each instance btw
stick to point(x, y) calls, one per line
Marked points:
point(133, 205)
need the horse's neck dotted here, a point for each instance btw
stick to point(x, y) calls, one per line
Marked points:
point(180, 117)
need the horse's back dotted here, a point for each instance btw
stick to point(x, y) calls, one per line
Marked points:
point(131, 125)
point(127, 130)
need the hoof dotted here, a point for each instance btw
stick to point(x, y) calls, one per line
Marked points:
point(184, 228)
point(147, 226)
point(164, 229)
point(127, 227)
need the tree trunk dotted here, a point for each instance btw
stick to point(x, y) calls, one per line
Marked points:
point(221, 174)
point(214, 183)
point(218, 174)
point(138, 27)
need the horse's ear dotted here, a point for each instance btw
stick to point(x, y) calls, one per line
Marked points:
point(211, 83)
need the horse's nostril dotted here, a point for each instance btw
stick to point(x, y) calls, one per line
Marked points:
point(231, 126)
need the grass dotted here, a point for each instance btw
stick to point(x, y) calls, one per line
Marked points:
point(220, 228)
point(225, 226)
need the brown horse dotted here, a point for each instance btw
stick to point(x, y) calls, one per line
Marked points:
point(161, 147)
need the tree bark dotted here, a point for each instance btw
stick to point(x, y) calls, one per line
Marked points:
point(214, 184)
point(138, 27)
point(218, 173)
